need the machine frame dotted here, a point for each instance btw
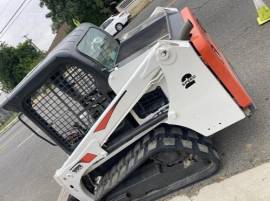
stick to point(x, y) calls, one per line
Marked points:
point(204, 95)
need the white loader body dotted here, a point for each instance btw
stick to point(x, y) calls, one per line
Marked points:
point(197, 107)
point(134, 114)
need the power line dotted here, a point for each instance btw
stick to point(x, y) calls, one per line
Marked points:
point(4, 32)
point(13, 16)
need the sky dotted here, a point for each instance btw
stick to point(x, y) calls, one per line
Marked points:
point(30, 21)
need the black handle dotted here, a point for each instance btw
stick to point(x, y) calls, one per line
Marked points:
point(30, 128)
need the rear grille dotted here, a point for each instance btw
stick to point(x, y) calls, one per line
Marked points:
point(67, 105)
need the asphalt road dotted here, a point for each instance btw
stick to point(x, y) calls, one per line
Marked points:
point(27, 164)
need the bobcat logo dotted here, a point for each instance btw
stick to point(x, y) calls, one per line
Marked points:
point(188, 80)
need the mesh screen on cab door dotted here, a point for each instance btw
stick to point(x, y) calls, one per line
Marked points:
point(67, 105)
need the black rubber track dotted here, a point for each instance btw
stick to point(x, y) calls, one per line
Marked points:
point(157, 141)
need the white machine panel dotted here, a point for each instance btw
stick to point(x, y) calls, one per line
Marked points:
point(119, 77)
point(197, 99)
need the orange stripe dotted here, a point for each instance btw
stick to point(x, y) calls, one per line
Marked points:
point(105, 120)
point(102, 125)
point(87, 158)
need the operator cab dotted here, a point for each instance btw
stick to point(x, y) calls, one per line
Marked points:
point(67, 92)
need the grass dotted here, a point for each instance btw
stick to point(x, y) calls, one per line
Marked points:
point(9, 122)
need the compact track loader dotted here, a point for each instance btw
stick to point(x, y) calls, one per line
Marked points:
point(135, 114)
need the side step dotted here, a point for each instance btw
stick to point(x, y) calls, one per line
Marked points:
point(166, 159)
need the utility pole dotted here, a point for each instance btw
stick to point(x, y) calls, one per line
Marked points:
point(32, 43)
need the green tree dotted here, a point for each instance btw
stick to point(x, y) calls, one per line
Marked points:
point(94, 11)
point(16, 62)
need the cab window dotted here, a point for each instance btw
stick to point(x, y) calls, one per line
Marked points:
point(100, 47)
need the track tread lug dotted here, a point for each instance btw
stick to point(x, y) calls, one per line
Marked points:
point(150, 144)
point(203, 148)
point(187, 144)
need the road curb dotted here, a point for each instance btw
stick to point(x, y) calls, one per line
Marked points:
point(14, 121)
point(63, 196)
point(251, 185)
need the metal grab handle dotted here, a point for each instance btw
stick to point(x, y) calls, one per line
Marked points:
point(30, 128)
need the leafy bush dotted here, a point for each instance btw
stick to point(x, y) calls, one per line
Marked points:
point(16, 62)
